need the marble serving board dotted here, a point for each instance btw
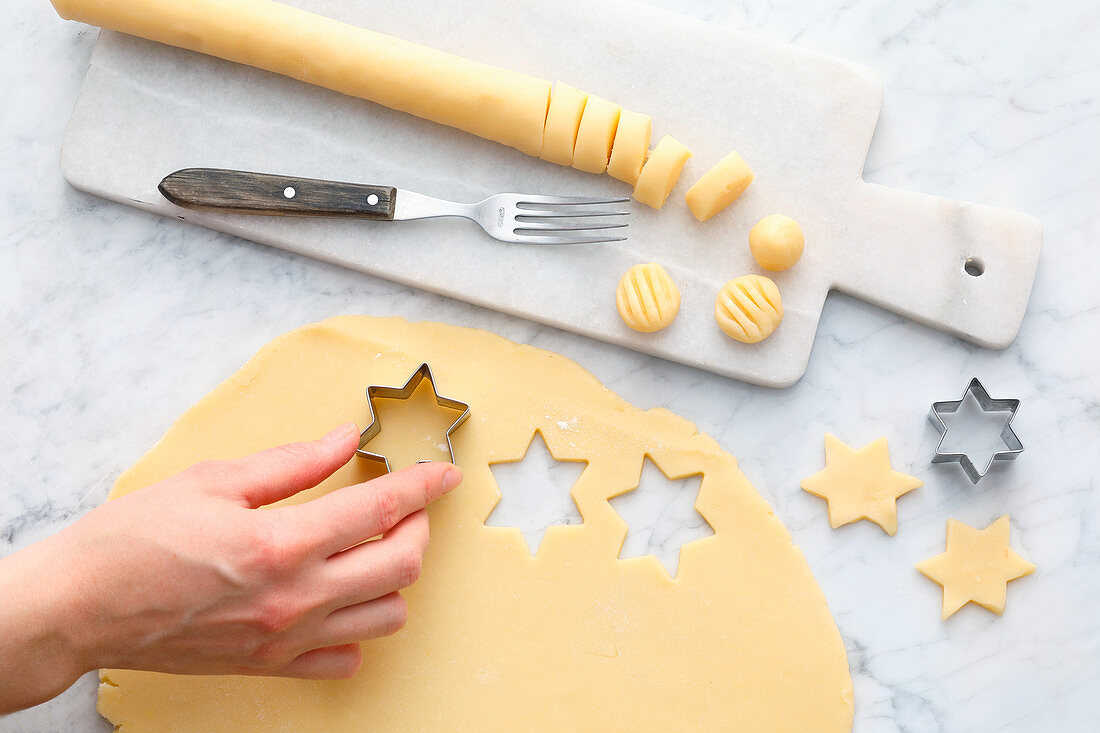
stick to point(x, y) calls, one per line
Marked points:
point(803, 120)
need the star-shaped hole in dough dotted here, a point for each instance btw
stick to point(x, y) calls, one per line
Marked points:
point(535, 492)
point(976, 567)
point(860, 484)
point(660, 515)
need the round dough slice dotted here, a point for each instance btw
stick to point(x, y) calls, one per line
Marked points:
point(562, 121)
point(661, 172)
point(572, 638)
point(596, 135)
point(631, 146)
point(719, 187)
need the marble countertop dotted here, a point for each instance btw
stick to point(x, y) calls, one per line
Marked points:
point(113, 321)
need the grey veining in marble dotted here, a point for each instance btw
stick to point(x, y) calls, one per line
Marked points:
point(113, 321)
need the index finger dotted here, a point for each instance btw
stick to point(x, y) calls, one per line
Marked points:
point(354, 514)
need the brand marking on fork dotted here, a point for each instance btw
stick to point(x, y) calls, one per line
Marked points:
point(500, 216)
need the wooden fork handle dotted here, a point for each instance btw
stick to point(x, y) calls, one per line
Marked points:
point(241, 192)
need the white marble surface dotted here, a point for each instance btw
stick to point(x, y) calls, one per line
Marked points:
point(804, 120)
point(113, 321)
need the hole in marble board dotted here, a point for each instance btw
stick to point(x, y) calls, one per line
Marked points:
point(413, 429)
point(661, 516)
point(974, 431)
point(973, 266)
point(535, 493)
point(289, 192)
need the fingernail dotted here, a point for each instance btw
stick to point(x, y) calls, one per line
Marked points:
point(451, 479)
point(340, 433)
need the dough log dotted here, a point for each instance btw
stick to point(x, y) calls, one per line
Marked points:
point(487, 101)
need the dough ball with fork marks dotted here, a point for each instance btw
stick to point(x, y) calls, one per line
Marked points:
point(647, 298)
point(748, 308)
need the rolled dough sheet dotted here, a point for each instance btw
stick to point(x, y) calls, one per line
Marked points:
point(573, 638)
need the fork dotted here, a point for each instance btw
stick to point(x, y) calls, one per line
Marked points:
point(509, 217)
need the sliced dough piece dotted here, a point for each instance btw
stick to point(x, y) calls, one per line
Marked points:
point(563, 120)
point(484, 100)
point(719, 186)
point(596, 135)
point(742, 634)
point(631, 145)
point(647, 298)
point(661, 171)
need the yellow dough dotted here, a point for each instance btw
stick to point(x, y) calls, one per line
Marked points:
point(660, 172)
point(596, 135)
point(776, 242)
point(562, 122)
point(647, 298)
point(860, 484)
point(484, 100)
point(748, 308)
point(631, 146)
point(571, 639)
point(976, 567)
point(719, 186)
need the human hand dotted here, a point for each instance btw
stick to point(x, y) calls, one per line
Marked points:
point(190, 576)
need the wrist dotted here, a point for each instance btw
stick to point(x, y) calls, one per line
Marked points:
point(66, 604)
point(41, 644)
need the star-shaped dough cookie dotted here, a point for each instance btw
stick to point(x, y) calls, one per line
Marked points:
point(859, 484)
point(976, 567)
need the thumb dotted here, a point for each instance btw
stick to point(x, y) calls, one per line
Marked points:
point(279, 472)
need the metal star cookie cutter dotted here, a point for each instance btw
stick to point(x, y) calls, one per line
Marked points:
point(403, 393)
point(988, 404)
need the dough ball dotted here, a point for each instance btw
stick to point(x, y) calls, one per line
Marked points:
point(749, 308)
point(776, 242)
point(647, 298)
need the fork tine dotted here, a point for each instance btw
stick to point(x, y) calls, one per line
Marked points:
point(551, 239)
point(525, 214)
point(568, 200)
point(537, 226)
